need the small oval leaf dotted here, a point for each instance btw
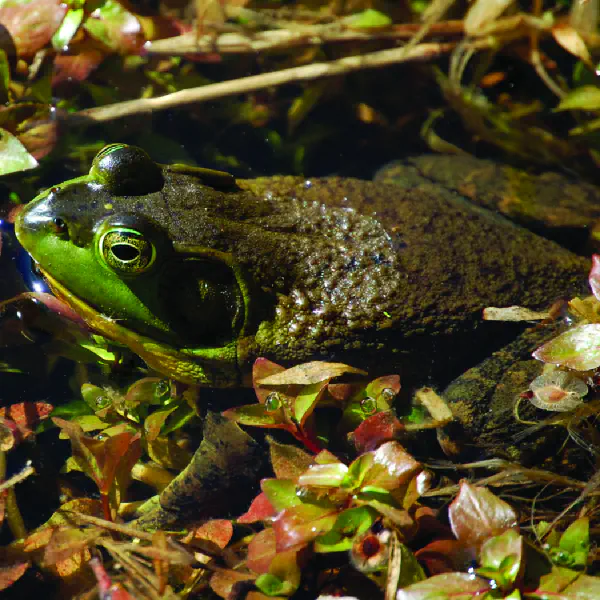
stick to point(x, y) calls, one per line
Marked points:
point(13, 155)
point(578, 348)
point(586, 97)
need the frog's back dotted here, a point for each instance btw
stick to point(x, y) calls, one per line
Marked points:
point(340, 263)
point(449, 258)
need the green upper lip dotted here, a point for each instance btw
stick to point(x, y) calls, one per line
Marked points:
point(30, 221)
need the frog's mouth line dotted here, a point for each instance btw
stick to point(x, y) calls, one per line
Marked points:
point(213, 370)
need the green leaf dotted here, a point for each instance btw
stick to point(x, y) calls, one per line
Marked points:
point(398, 516)
point(148, 390)
point(369, 18)
point(70, 410)
point(575, 543)
point(559, 580)
point(410, 570)
point(586, 97)
point(95, 397)
point(285, 568)
point(327, 476)
point(154, 422)
point(577, 536)
point(116, 27)
point(256, 415)
point(307, 399)
point(90, 423)
point(13, 155)
point(100, 351)
point(4, 78)
point(503, 555)
point(350, 523)
point(271, 586)
point(370, 493)
point(585, 587)
point(357, 472)
point(577, 348)
point(303, 104)
point(182, 415)
point(281, 493)
point(68, 28)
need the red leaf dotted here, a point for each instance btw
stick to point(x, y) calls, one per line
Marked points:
point(68, 542)
point(392, 467)
point(260, 369)
point(476, 514)
point(217, 531)
point(223, 582)
point(259, 510)
point(108, 589)
point(375, 430)
point(458, 586)
point(289, 462)
point(445, 556)
point(76, 67)
point(26, 415)
point(32, 24)
point(594, 277)
point(106, 460)
point(261, 551)
point(297, 526)
point(10, 574)
point(3, 495)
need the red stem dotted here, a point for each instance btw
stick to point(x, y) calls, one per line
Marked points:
point(106, 507)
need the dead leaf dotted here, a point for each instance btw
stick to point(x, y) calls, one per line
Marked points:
point(310, 373)
point(569, 38)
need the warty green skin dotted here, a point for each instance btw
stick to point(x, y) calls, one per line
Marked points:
point(329, 268)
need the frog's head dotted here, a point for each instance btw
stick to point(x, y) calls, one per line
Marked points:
point(105, 243)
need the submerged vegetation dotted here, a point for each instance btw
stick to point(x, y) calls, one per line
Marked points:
point(107, 490)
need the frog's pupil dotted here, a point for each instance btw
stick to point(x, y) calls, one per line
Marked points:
point(125, 252)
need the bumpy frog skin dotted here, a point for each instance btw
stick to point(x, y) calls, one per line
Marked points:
point(200, 273)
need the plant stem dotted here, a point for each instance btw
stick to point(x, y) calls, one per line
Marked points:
point(243, 85)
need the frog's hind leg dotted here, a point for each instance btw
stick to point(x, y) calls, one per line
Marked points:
point(551, 204)
point(483, 401)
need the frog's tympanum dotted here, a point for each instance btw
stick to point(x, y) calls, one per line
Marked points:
point(200, 273)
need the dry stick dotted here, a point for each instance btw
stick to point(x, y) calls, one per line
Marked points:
point(290, 37)
point(244, 85)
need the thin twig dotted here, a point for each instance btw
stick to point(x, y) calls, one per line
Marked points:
point(23, 474)
point(244, 85)
point(294, 35)
point(536, 59)
point(124, 529)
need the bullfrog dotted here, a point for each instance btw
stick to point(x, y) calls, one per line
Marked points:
point(200, 273)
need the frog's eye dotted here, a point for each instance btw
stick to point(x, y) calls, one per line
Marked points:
point(126, 171)
point(127, 251)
